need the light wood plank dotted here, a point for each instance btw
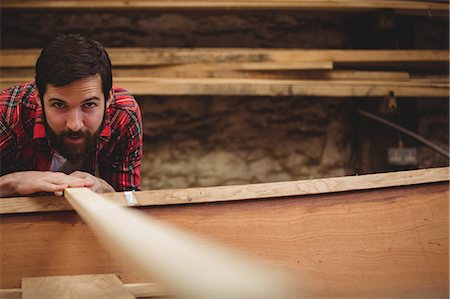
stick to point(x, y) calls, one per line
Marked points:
point(388, 241)
point(240, 192)
point(101, 286)
point(10, 293)
point(408, 7)
point(191, 267)
point(250, 66)
point(139, 290)
point(169, 72)
point(162, 72)
point(145, 290)
point(176, 56)
point(270, 87)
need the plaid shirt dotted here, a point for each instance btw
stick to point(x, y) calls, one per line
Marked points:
point(24, 144)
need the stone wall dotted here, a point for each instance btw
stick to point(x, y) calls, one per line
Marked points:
point(206, 141)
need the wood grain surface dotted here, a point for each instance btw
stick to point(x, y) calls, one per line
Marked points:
point(269, 87)
point(382, 242)
point(240, 192)
point(175, 57)
point(433, 8)
point(190, 266)
point(99, 286)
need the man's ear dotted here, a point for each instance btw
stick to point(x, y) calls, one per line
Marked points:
point(110, 98)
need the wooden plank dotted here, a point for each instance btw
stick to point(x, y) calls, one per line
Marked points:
point(240, 192)
point(270, 87)
point(139, 290)
point(175, 56)
point(433, 8)
point(191, 267)
point(102, 286)
point(388, 241)
point(161, 72)
point(11, 294)
point(169, 72)
point(145, 290)
point(251, 66)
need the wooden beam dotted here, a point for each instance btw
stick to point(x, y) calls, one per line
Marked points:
point(386, 241)
point(191, 267)
point(176, 56)
point(414, 7)
point(241, 192)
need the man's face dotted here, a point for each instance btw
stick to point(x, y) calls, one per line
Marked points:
point(74, 116)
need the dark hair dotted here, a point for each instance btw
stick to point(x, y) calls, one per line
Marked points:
point(72, 57)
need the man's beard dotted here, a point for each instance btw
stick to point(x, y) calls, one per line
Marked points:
point(77, 152)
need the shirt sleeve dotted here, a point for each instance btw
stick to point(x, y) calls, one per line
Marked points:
point(8, 115)
point(122, 168)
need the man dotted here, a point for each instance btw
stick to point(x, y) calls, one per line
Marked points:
point(70, 127)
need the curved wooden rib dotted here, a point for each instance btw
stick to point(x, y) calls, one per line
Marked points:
point(241, 192)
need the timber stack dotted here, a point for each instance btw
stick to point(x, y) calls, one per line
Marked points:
point(258, 72)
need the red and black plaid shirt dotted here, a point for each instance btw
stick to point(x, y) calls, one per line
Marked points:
point(24, 144)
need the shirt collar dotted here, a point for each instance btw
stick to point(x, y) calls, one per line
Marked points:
point(39, 128)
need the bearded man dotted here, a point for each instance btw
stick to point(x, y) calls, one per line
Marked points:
point(70, 127)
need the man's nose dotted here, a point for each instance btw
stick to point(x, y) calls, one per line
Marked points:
point(75, 121)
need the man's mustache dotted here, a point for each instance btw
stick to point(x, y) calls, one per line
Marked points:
point(72, 134)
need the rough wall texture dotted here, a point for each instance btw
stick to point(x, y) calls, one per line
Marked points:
point(217, 141)
point(192, 29)
point(205, 141)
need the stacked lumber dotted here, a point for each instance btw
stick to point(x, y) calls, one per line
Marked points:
point(434, 8)
point(262, 72)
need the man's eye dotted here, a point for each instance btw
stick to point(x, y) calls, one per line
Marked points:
point(58, 105)
point(89, 105)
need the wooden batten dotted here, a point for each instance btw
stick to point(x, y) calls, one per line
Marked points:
point(57, 287)
point(190, 266)
point(175, 56)
point(271, 87)
point(433, 8)
point(240, 192)
point(139, 290)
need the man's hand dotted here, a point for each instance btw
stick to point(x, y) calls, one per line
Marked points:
point(96, 184)
point(29, 182)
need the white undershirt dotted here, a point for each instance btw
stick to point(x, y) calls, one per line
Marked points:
point(57, 162)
